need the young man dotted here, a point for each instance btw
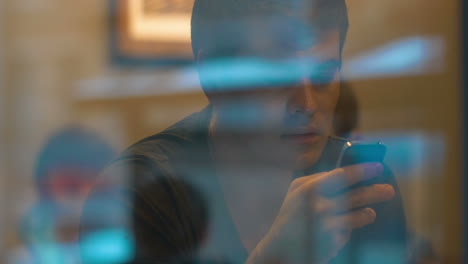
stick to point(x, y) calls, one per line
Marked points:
point(239, 181)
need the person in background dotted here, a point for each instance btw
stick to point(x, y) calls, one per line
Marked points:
point(67, 167)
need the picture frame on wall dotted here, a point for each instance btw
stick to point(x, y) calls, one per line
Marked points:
point(150, 32)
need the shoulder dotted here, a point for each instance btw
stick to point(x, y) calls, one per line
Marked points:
point(143, 192)
point(160, 154)
point(161, 145)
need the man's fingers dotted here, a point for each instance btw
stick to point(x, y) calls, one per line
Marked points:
point(302, 181)
point(339, 179)
point(352, 220)
point(363, 196)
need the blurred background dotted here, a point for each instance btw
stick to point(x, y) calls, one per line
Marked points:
point(107, 68)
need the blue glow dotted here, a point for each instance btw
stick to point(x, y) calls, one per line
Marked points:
point(405, 57)
point(49, 253)
point(410, 153)
point(385, 254)
point(107, 246)
point(248, 72)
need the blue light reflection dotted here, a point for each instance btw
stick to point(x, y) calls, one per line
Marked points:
point(107, 246)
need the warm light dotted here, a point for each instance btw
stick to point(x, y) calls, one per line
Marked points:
point(173, 27)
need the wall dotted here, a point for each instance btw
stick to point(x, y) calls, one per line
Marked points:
point(3, 52)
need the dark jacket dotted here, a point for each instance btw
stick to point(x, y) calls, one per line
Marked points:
point(166, 196)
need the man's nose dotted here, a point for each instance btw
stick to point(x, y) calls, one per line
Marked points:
point(303, 99)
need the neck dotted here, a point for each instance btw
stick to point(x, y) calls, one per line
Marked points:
point(232, 156)
point(253, 192)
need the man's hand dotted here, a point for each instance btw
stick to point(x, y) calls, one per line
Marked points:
point(317, 217)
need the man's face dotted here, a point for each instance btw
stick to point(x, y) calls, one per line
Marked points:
point(286, 123)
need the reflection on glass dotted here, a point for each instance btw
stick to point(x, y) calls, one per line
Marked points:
point(297, 134)
point(66, 170)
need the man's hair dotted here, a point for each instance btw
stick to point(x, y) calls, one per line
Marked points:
point(219, 26)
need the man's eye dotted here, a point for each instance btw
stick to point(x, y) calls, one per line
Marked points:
point(322, 78)
point(324, 74)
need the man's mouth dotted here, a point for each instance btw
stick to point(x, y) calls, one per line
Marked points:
point(309, 137)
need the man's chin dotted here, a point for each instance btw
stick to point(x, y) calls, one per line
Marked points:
point(268, 151)
point(306, 160)
point(309, 157)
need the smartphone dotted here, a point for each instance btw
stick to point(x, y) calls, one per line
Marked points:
point(341, 152)
point(355, 152)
